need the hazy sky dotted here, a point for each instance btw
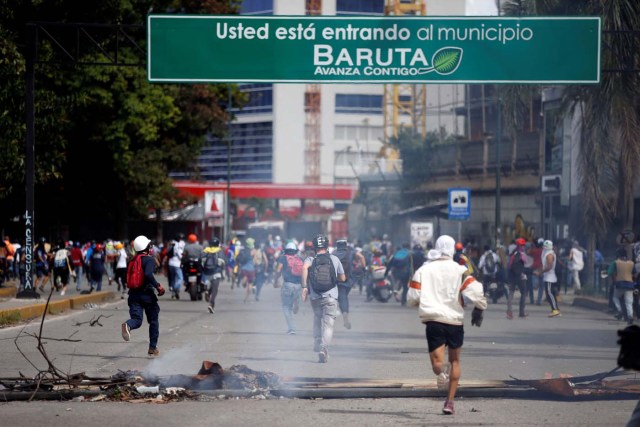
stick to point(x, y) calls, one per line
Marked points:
point(481, 7)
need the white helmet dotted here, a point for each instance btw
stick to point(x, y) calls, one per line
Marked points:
point(141, 243)
point(291, 247)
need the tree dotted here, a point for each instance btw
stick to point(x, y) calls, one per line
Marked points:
point(608, 112)
point(133, 132)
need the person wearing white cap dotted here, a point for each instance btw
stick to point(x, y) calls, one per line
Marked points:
point(438, 288)
point(142, 298)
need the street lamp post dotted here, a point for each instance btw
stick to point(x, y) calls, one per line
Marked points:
point(498, 170)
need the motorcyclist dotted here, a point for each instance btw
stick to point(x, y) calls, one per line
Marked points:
point(377, 260)
point(491, 266)
point(192, 254)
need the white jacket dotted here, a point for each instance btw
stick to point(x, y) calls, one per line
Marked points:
point(437, 287)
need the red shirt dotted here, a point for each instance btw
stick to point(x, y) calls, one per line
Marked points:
point(76, 257)
point(536, 254)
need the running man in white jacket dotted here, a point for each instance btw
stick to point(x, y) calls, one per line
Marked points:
point(440, 288)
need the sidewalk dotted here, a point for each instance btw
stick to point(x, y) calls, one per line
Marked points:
point(13, 310)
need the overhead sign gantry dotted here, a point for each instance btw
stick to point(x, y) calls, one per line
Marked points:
point(296, 49)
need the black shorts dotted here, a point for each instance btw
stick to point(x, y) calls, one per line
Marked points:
point(441, 333)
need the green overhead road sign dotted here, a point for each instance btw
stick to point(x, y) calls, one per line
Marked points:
point(298, 49)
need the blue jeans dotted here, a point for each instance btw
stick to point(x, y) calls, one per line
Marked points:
point(146, 302)
point(536, 281)
point(79, 270)
point(596, 278)
point(343, 298)
point(175, 278)
point(324, 315)
point(290, 294)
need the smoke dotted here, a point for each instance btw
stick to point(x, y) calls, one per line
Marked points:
point(173, 361)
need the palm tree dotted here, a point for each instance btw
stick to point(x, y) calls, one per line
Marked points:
point(609, 151)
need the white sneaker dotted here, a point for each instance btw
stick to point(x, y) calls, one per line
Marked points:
point(442, 379)
point(126, 332)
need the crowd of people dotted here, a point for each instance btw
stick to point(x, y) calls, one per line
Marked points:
point(434, 278)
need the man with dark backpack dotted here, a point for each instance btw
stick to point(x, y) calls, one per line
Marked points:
point(517, 277)
point(345, 255)
point(320, 277)
point(399, 265)
point(213, 266)
point(141, 284)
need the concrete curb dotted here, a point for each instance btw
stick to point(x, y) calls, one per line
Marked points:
point(591, 303)
point(8, 292)
point(31, 311)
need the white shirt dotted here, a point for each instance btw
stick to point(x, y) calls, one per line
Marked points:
point(549, 276)
point(436, 288)
point(176, 259)
point(122, 259)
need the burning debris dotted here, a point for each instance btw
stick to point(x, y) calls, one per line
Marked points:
point(211, 376)
point(134, 387)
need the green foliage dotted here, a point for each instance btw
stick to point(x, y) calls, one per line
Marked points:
point(610, 119)
point(133, 132)
point(416, 153)
point(10, 319)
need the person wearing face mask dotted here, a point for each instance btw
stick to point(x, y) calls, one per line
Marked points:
point(439, 288)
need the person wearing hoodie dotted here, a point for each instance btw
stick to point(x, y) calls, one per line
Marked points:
point(213, 266)
point(439, 288)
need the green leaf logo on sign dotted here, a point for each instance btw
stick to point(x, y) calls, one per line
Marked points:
point(444, 62)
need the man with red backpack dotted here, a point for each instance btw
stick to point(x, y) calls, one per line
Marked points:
point(290, 265)
point(142, 283)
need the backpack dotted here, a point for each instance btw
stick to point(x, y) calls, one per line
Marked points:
point(135, 274)
point(257, 256)
point(346, 258)
point(171, 251)
point(490, 264)
point(295, 265)
point(322, 274)
point(210, 265)
point(516, 265)
point(243, 257)
point(60, 259)
point(401, 260)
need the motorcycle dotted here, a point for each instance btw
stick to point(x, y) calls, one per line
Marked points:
point(193, 279)
point(496, 290)
point(381, 288)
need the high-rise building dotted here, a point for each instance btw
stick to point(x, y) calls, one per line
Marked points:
point(270, 134)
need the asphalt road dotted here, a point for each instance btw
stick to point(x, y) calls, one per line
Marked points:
point(386, 342)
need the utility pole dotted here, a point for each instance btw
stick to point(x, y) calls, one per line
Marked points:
point(227, 200)
point(29, 291)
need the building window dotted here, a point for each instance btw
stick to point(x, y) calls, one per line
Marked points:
point(360, 133)
point(256, 7)
point(358, 104)
point(251, 155)
point(359, 7)
point(260, 99)
point(357, 159)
